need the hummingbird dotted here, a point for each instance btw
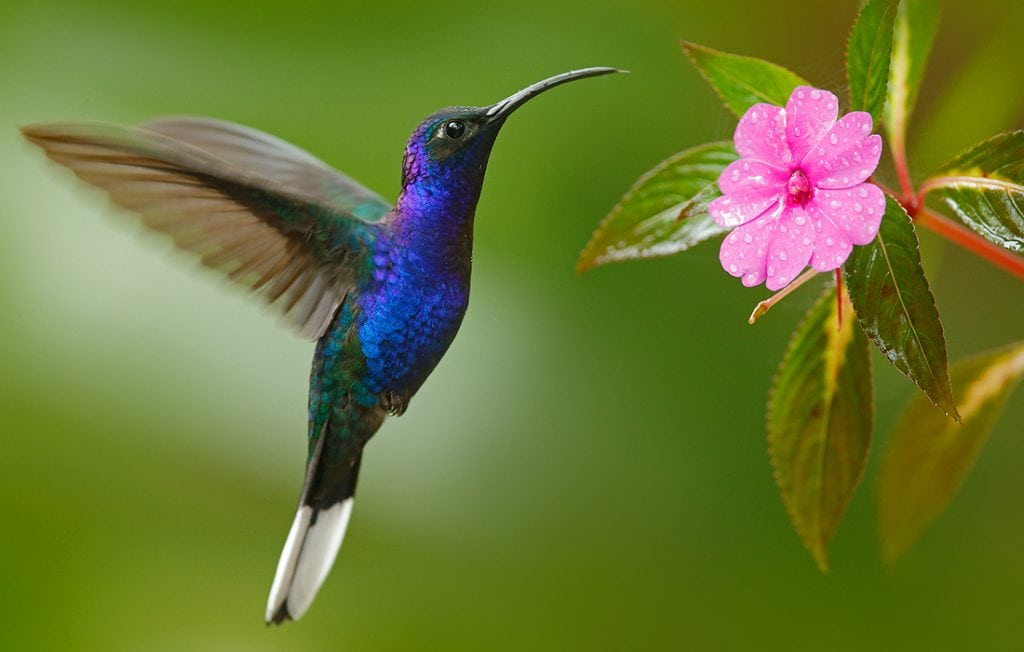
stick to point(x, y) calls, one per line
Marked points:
point(381, 288)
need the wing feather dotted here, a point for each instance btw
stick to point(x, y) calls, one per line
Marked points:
point(247, 203)
point(273, 158)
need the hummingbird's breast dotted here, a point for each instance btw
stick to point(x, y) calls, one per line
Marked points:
point(410, 312)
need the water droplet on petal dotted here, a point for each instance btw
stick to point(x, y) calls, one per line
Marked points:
point(829, 242)
point(800, 220)
point(747, 238)
point(735, 176)
point(858, 207)
point(833, 138)
point(815, 94)
point(783, 255)
point(733, 269)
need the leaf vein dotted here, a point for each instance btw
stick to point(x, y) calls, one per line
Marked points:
point(899, 295)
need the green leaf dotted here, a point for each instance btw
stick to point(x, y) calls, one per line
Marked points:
point(896, 308)
point(867, 56)
point(820, 418)
point(743, 81)
point(929, 456)
point(917, 21)
point(665, 212)
point(985, 188)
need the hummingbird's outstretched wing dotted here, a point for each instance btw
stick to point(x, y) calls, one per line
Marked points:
point(269, 215)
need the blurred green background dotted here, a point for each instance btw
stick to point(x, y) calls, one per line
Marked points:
point(586, 469)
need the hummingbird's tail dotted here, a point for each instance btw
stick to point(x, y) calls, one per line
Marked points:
point(316, 534)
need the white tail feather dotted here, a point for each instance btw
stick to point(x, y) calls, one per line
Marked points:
point(308, 555)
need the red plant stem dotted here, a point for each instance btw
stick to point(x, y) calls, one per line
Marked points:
point(898, 148)
point(971, 241)
point(885, 188)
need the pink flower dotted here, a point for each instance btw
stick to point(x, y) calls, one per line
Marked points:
point(798, 195)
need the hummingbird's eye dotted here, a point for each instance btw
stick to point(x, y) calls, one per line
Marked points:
point(454, 129)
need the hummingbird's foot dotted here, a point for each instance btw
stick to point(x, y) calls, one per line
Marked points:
point(394, 403)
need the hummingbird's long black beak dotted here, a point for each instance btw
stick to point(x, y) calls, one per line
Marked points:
point(512, 102)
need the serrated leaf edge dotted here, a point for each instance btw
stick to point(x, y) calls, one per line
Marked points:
point(942, 332)
point(949, 165)
point(820, 558)
point(589, 259)
point(690, 45)
point(849, 38)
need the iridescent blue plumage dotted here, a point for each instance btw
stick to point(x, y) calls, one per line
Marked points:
point(382, 289)
point(412, 307)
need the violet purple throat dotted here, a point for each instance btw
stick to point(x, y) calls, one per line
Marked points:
point(382, 289)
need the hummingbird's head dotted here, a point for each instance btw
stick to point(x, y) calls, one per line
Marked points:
point(451, 147)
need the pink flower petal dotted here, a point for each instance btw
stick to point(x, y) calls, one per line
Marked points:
point(857, 211)
point(749, 187)
point(846, 155)
point(810, 113)
point(790, 247)
point(831, 246)
point(761, 135)
point(750, 174)
point(744, 252)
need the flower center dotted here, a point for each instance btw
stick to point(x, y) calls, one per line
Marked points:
point(798, 189)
